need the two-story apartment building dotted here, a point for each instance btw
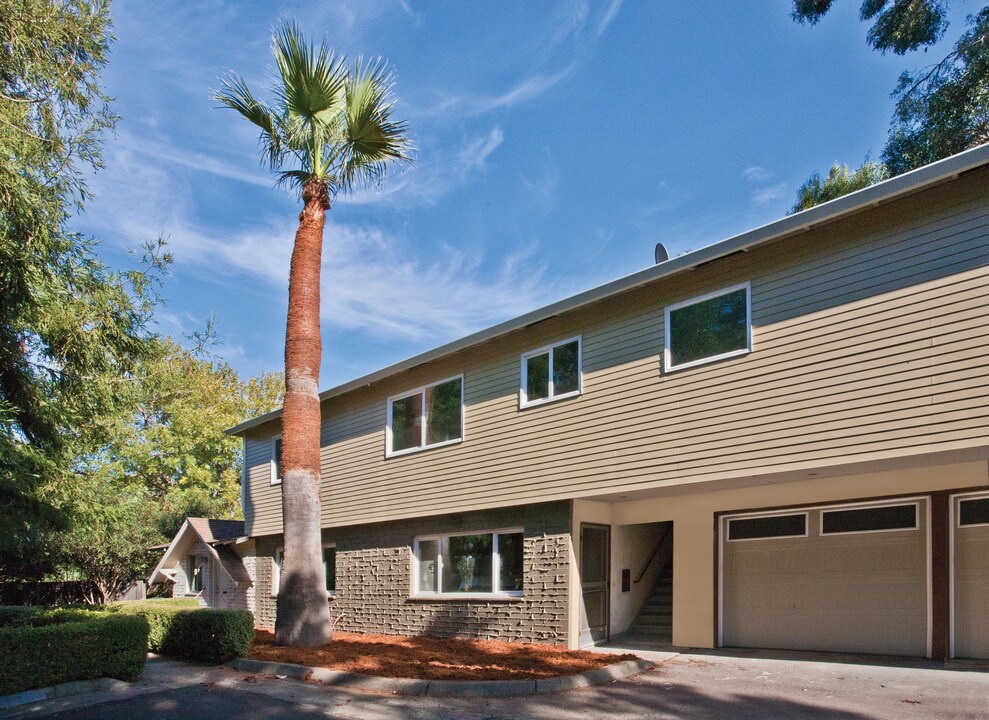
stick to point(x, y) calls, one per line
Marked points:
point(779, 441)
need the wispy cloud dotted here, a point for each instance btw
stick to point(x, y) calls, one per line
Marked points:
point(430, 180)
point(192, 160)
point(757, 174)
point(769, 193)
point(373, 282)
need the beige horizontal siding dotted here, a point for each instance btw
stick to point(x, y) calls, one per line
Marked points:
point(870, 341)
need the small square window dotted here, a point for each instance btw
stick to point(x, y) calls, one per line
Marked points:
point(711, 327)
point(973, 512)
point(428, 417)
point(551, 373)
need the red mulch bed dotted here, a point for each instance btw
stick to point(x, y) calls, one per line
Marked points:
point(430, 658)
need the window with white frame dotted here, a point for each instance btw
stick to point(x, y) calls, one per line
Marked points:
point(426, 417)
point(276, 570)
point(276, 460)
point(470, 563)
point(708, 328)
point(551, 373)
point(194, 573)
point(330, 568)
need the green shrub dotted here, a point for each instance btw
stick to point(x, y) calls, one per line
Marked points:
point(33, 616)
point(100, 646)
point(18, 615)
point(210, 635)
point(194, 634)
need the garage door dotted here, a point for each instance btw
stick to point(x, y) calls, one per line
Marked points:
point(845, 578)
point(970, 576)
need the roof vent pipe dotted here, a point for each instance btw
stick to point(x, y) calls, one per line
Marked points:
point(662, 254)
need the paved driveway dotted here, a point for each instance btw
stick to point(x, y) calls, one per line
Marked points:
point(688, 686)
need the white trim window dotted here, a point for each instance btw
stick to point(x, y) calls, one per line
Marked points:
point(330, 568)
point(711, 327)
point(427, 417)
point(551, 373)
point(276, 571)
point(767, 527)
point(469, 564)
point(871, 518)
point(276, 460)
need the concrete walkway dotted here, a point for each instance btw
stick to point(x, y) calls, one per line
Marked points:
point(689, 686)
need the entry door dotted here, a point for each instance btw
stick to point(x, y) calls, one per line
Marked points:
point(970, 574)
point(595, 549)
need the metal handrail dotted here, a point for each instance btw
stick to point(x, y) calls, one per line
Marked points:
point(655, 551)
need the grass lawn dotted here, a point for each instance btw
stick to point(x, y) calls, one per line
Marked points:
point(430, 658)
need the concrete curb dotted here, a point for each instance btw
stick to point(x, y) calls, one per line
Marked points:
point(447, 688)
point(76, 687)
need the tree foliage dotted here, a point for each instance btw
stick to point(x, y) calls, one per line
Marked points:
point(66, 319)
point(162, 455)
point(941, 110)
point(840, 181)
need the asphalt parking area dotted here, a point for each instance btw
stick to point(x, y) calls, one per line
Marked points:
point(690, 686)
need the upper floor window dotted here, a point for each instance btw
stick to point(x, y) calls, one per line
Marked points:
point(551, 373)
point(427, 417)
point(276, 460)
point(708, 328)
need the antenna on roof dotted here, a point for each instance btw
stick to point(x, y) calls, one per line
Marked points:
point(662, 254)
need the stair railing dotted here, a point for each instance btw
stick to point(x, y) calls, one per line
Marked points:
point(655, 551)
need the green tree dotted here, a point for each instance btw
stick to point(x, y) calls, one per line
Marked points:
point(840, 181)
point(330, 130)
point(66, 319)
point(942, 109)
point(162, 455)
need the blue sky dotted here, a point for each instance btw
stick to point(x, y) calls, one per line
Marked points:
point(557, 143)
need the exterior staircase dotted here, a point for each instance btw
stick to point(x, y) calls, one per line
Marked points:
point(654, 623)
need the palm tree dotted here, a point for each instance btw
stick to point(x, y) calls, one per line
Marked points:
point(330, 129)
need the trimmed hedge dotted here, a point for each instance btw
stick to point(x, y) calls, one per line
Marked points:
point(33, 616)
point(208, 635)
point(99, 646)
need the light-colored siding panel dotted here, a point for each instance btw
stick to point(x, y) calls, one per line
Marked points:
point(870, 340)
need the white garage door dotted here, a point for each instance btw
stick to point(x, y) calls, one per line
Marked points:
point(970, 576)
point(844, 578)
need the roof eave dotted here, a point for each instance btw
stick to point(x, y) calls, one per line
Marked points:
point(832, 211)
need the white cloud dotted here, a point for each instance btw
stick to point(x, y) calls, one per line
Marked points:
point(429, 180)
point(756, 174)
point(770, 193)
point(372, 282)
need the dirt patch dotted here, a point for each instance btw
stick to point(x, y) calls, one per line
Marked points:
point(429, 658)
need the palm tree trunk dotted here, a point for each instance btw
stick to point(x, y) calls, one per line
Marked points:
point(303, 617)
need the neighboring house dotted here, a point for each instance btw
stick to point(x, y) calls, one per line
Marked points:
point(777, 441)
point(211, 560)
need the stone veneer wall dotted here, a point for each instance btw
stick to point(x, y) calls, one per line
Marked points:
point(374, 578)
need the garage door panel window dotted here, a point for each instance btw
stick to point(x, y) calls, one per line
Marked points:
point(884, 518)
point(767, 526)
point(973, 512)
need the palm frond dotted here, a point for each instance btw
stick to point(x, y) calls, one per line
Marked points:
point(236, 95)
point(312, 76)
point(371, 136)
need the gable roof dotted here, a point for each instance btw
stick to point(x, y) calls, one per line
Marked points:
point(792, 225)
point(214, 533)
point(211, 530)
